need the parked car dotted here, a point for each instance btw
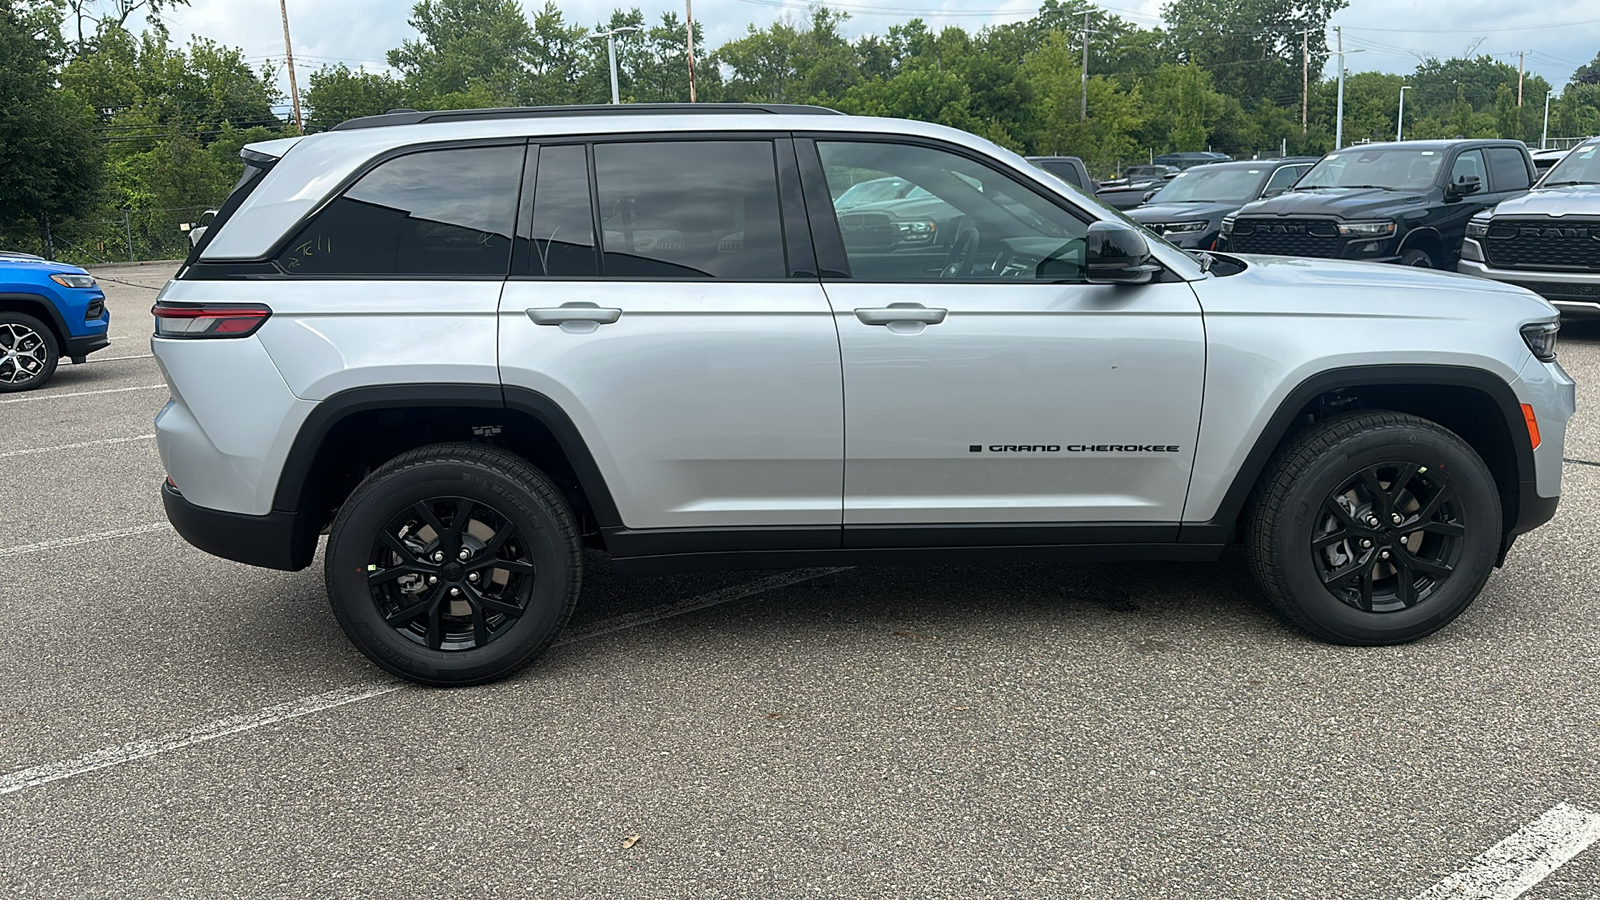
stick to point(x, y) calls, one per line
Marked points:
point(1189, 159)
point(1405, 203)
point(48, 310)
point(1189, 209)
point(1543, 159)
point(1068, 168)
point(1135, 184)
point(463, 389)
point(197, 229)
point(1547, 241)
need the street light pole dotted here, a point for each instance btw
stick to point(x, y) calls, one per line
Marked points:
point(1400, 120)
point(1544, 137)
point(611, 51)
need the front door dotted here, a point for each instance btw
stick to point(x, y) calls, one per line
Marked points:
point(985, 381)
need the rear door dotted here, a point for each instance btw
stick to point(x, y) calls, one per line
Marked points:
point(665, 298)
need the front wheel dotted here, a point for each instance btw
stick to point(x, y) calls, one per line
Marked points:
point(454, 564)
point(1418, 259)
point(28, 353)
point(1374, 528)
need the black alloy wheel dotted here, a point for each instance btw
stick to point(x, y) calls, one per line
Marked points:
point(1373, 527)
point(450, 573)
point(1389, 537)
point(454, 564)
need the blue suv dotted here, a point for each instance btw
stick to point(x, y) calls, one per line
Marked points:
point(47, 310)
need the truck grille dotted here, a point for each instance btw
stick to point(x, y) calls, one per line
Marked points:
point(1543, 244)
point(1285, 237)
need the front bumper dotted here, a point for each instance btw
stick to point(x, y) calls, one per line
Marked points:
point(1570, 292)
point(83, 346)
point(277, 540)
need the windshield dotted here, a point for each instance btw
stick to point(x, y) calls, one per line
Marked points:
point(1212, 184)
point(1395, 170)
point(1581, 166)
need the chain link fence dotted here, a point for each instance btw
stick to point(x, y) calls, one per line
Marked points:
point(132, 236)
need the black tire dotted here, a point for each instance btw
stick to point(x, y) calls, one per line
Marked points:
point(28, 353)
point(1317, 554)
point(521, 550)
point(1417, 259)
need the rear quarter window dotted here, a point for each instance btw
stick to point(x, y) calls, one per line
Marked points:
point(434, 212)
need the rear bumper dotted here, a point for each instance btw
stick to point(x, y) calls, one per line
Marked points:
point(272, 541)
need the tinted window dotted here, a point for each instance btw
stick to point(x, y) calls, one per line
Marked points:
point(1213, 183)
point(1284, 178)
point(439, 212)
point(1507, 170)
point(962, 220)
point(1398, 170)
point(690, 209)
point(563, 220)
point(1469, 164)
point(1064, 170)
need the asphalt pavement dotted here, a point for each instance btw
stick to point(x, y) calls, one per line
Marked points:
point(178, 726)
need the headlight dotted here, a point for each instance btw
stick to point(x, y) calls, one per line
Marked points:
point(1184, 227)
point(66, 279)
point(1541, 339)
point(1227, 225)
point(1478, 226)
point(1367, 229)
point(916, 231)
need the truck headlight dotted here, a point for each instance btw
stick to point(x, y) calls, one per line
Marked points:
point(916, 231)
point(1184, 227)
point(1381, 228)
point(1478, 227)
point(1227, 225)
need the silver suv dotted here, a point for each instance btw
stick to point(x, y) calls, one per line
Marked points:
point(467, 345)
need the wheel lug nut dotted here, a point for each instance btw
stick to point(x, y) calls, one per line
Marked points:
point(433, 579)
point(1366, 544)
point(473, 577)
point(1396, 518)
point(1383, 554)
point(438, 556)
point(1372, 520)
point(464, 553)
point(455, 592)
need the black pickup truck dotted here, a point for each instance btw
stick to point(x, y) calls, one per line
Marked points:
point(1405, 203)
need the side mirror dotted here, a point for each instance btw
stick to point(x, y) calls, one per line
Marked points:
point(1466, 184)
point(1272, 192)
point(1115, 253)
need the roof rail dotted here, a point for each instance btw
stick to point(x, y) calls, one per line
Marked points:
point(414, 117)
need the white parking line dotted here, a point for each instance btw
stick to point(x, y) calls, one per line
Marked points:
point(82, 539)
point(78, 446)
point(113, 756)
point(142, 387)
point(1511, 867)
point(23, 779)
point(96, 359)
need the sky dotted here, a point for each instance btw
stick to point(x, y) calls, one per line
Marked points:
point(1556, 36)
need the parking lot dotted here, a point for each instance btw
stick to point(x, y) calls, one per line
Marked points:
point(176, 725)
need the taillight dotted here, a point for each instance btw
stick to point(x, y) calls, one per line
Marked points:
point(208, 320)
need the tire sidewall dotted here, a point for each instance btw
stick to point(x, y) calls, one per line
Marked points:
point(377, 502)
point(1417, 259)
point(52, 352)
point(1476, 503)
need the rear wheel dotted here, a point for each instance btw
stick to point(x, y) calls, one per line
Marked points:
point(28, 353)
point(1374, 528)
point(454, 564)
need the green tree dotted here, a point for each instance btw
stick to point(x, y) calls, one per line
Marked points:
point(50, 155)
point(1183, 108)
point(1588, 74)
point(93, 18)
point(1254, 48)
point(336, 93)
point(464, 43)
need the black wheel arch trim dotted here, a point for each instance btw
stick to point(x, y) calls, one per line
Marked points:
point(1221, 525)
point(338, 407)
point(51, 316)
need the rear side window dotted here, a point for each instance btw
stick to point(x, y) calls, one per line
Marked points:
point(1469, 165)
point(689, 209)
point(563, 219)
point(437, 212)
point(1063, 170)
point(1284, 178)
point(1507, 171)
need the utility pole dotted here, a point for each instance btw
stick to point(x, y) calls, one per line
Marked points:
point(288, 52)
point(1520, 55)
point(1338, 115)
point(1400, 120)
point(1083, 85)
point(688, 11)
point(1305, 77)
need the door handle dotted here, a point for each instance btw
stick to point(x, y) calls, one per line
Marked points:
point(901, 312)
point(574, 312)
